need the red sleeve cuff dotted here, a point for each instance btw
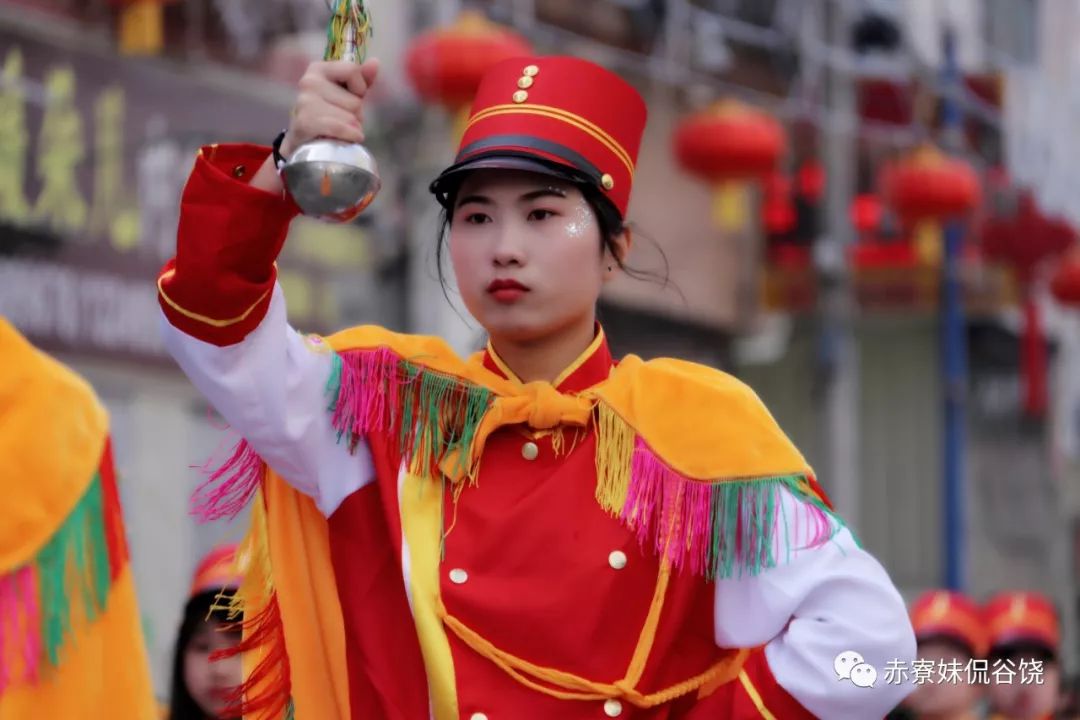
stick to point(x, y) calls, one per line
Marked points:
point(218, 286)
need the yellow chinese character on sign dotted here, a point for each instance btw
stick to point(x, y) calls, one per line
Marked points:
point(14, 139)
point(107, 214)
point(60, 150)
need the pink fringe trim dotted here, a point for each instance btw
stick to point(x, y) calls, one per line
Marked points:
point(369, 397)
point(722, 528)
point(230, 487)
point(20, 620)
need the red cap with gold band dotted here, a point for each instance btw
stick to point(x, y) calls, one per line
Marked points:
point(217, 571)
point(1015, 618)
point(945, 614)
point(560, 116)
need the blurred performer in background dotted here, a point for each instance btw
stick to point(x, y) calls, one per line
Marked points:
point(950, 632)
point(206, 674)
point(71, 643)
point(1025, 677)
point(538, 531)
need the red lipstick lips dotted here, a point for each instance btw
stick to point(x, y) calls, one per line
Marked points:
point(506, 291)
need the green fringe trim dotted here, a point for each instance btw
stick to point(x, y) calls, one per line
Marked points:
point(79, 547)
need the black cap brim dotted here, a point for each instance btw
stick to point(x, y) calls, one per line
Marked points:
point(446, 185)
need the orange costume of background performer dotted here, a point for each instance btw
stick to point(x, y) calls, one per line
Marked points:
point(71, 643)
point(442, 537)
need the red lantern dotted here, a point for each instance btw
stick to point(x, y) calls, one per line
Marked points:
point(729, 141)
point(447, 64)
point(777, 209)
point(727, 145)
point(812, 181)
point(1024, 241)
point(1065, 284)
point(866, 213)
point(929, 185)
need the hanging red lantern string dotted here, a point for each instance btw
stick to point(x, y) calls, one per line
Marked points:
point(1024, 240)
point(728, 145)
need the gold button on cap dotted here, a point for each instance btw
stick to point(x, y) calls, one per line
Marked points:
point(612, 708)
point(525, 83)
point(478, 716)
point(530, 451)
point(607, 181)
point(521, 96)
point(617, 559)
point(531, 71)
point(458, 576)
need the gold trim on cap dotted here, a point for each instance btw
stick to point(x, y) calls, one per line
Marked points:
point(519, 97)
point(531, 71)
point(607, 181)
point(586, 126)
point(525, 82)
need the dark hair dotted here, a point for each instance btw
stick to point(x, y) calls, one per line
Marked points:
point(952, 641)
point(607, 215)
point(1023, 649)
point(197, 611)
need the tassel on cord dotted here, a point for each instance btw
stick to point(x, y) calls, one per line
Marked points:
point(66, 582)
point(348, 31)
point(614, 454)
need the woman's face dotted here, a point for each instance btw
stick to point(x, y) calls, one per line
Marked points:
point(1029, 700)
point(211, 683)
point(944, 699)
point(527, 253)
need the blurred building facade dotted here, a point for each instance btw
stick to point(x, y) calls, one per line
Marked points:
point(99, 145)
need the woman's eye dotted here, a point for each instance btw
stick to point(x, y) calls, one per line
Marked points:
point(541, 214)
point(477, 218)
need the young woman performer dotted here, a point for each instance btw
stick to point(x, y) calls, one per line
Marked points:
point(537, 531)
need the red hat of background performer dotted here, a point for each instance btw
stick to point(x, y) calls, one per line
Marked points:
point(560, 116)
point(217, 571)
point(1022, 617)
point(952, 615)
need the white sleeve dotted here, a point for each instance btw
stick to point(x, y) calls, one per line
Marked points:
point(271, 388)
point(821, 602)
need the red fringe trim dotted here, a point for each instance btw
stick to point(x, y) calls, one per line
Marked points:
point(266, 692)
point(114, 522)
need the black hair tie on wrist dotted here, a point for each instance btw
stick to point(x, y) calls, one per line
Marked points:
point(279, 159)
